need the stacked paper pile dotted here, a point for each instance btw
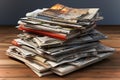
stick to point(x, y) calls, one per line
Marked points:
point(59, 40)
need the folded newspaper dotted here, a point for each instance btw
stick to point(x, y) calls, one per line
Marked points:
point(59, 40)
point(77, 60)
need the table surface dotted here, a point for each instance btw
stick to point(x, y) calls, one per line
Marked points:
point(108, 69)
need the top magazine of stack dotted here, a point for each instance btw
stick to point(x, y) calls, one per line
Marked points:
point(66, 14)
point(70, 16)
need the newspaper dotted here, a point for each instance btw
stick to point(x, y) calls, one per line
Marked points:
point(47, 42)
point(59, 40)
point(65, 68)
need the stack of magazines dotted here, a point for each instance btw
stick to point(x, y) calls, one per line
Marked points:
point(59, 40)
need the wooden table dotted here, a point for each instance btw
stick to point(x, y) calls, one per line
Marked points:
point(108, 69)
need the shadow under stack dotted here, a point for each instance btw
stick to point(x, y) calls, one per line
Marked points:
point(59, 40)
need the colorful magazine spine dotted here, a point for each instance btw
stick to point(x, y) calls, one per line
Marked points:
point(46, 33)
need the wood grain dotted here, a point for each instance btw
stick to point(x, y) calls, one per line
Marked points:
point(108, 69)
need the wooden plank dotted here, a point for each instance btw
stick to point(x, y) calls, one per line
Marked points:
point(112, 43)
point(16, 72)
point(59, 78)
point(9, 62)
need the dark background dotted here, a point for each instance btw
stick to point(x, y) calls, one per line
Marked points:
point(12, 10)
